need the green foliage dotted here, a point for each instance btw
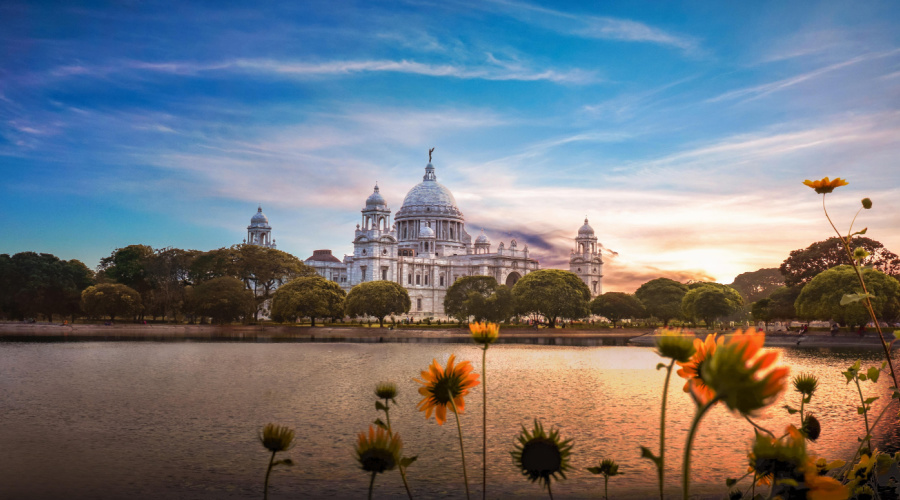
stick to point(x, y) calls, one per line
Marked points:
point(378, 299)
point(33, 284)
point(616, 306)
point(761, 310)
point(222, 299)
point(758, 284)
point(821, 297)
point(110, 300)
point(553, 294)
point(806, 263)
point(480, 297)
point(308, 297)
point(261, 269)
point(662, 298)
point(710, 301)
point(781, 302)
point(127, 266)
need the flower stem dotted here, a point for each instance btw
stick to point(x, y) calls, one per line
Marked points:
point(268, 471)
point(461, 450)
point(661, 466)
point(757, 426)
point(372, 484)
point(484, 423)
point(865, 414)
point(606, 487)
point(549, 491)
point(686, 463)
point(862, 283)
point(387, 415)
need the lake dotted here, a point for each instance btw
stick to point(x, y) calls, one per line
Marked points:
point(180, 420)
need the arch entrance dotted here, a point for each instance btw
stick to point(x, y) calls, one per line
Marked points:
point(512, 279)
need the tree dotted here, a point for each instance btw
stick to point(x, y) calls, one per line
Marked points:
point(308, 297)
point(378, 299)
point(711, 301)
point(480, 297)
point(616, 306)
point(781, 303)
point(110, 300)
point(758, 284)
point(169, 274)
point(806, 263)
point(553, 294)
point(761, 311)
point(33, 284)
point(222, 299)
point(821, 297)
point(262, 269)
point(662, 298)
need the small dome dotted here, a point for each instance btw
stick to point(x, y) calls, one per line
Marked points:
point(482, 239)
point(375, 200)
point(259, 218)
point(586, 229)
point(426, 232)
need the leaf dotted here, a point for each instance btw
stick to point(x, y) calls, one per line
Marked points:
point(380, 423)
point(660, 366)
point(646, 453)
point(873, 374)
point(861, 231)
point(850, 298)
point(860, 410)
point(407, 461)
point(380, 406)
point(862, 376)
point(791, 410)
point(869, 401)
point(729, 482)
point(849, 374)
point(787, 482)
point(594, 470)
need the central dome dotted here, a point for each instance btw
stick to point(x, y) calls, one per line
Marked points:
point(429, 196)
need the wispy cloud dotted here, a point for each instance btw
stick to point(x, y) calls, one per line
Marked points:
point(588, 26)
point(758, 91)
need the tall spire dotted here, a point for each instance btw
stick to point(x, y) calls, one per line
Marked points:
point(429, 169)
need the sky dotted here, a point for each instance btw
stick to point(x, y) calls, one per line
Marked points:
point(681, 130)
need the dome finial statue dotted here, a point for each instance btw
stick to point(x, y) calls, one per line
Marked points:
point(429, 154)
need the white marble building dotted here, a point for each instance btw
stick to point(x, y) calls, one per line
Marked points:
point(259, 232)
point(426, 248)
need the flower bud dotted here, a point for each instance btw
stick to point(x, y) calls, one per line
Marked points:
point(867, 203)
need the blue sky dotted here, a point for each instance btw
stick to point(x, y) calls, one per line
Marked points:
point(681, 129)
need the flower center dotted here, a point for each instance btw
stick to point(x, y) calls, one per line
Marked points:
point(541, 457)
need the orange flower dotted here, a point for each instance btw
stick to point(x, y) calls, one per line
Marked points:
point(823, 487)
point(441, 385)
point(691, 370)
point(484, 333)
point(741, 375)
point(824, 185)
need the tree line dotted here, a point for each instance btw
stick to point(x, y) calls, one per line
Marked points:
point(243, 282)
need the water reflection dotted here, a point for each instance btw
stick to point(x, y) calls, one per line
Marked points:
point(151, 420)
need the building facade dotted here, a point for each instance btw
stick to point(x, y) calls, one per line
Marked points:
point(426, 248)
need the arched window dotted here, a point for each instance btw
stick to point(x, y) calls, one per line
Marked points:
point(409, 279)
point(418, 279)
point(442, 280)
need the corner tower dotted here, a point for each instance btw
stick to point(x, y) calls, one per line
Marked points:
point(586, 261)
point(375, 243)
point(259, 232)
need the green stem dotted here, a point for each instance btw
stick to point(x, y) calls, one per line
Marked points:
point(865, 414)
point(802, 404)
point(549, 491)
point(387, 415)
point(484, 422)
point(268, 471)
point(862, 283)
point(606, 487)
point(849, 465)
point(686, 463)
point(461, 450)
point(757, 426)
point(661, 466)
point(371, 484)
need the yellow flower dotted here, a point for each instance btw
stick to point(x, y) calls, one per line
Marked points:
point(778, 458)
point(675, 344)
point(276, 438)
point(692, 369)
point(440, 385)
point(741, 375)
point(484, 333)
point(541, 456)
point(379, 451)
point(386, 390)
point(825, 185)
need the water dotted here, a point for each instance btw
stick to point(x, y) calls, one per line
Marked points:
point(179, 420)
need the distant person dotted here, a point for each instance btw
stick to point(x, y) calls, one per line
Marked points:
point(834, 329)
point(862, 331)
